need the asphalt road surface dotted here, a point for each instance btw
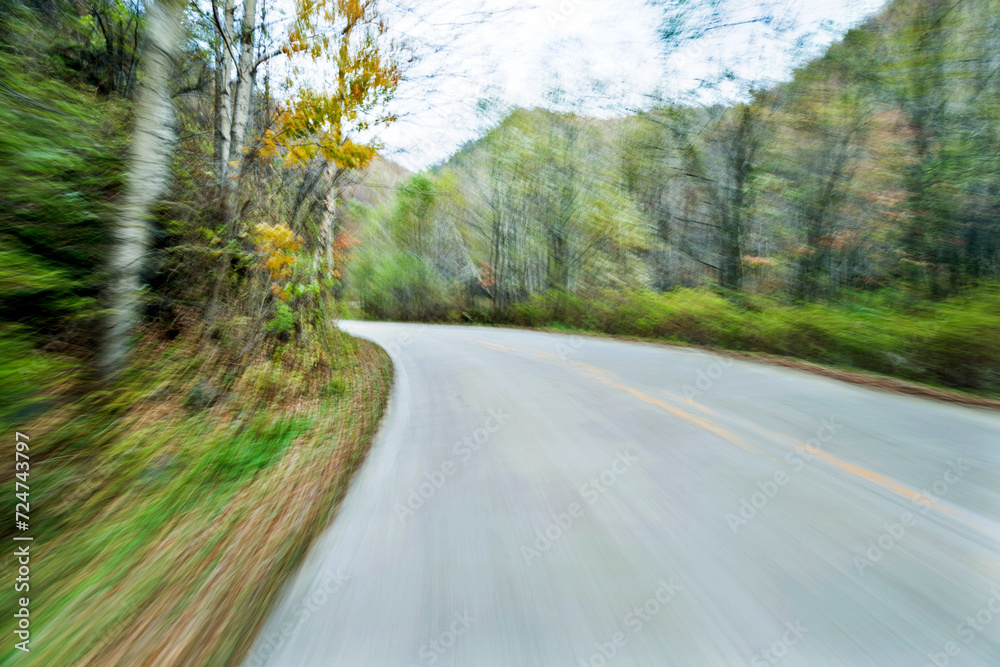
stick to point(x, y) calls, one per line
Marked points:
point(539, 499)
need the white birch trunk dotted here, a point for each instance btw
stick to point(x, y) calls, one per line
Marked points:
point(326, 222)
point(149, 161)
point(241, 113)
point(244, 82)
point(223, 96)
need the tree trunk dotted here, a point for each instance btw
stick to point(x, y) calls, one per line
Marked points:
point(223, 94)
point(149, 161)
point(231, 144)
point(731, 263)
point(811, 261)
point(331, 175)
point(244, 82)
point(743, 152)
point(558, 262)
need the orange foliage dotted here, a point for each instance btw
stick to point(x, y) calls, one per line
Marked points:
point(486, 278)
point(346, 240)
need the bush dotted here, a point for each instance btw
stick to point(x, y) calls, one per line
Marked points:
point(61, 162)
point(25, 374)
point(401, 286)
point(963, 348)
point(954, 343)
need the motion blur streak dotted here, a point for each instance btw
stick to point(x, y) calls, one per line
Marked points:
point(786, 587)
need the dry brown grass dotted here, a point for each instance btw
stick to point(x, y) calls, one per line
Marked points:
point(196, 590)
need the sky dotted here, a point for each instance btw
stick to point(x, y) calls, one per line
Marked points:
point(473, 59)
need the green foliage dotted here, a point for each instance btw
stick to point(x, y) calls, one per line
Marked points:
point(256, 448)
point(952, 343)
point(335, 388)
point(144, 494)
point(24, 372)
point(400, 286)
point(269, 381)
point(60, 162)
point(962, 348)
point(411, 224)
point(202, 396)
point(284, 319)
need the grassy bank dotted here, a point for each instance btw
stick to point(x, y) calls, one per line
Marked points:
point(167, 515)
point(951, 343)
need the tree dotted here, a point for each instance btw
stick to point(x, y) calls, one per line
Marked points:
point(329, 123)
point(553, 211)
point(740, 146)
point(826, 123)
point(147, 177)
point(412, 225)
point(718, 162)
point(922, 97)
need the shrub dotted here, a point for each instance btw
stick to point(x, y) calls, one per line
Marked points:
point(954, 343)
point(963, 349)
point(61, 161)
point(401, 286)
point(283, 321)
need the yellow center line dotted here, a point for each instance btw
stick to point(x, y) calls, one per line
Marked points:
point(690, 402)
point(496, 346)
point(878, 479)
point(610, 379)
point(701, 422)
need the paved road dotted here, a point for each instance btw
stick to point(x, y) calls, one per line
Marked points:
point(536, 499)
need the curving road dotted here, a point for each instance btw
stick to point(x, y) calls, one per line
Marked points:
point(538, 499)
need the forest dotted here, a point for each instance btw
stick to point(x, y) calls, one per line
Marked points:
point(168, 312)
point(848, 216)
point(189, 208)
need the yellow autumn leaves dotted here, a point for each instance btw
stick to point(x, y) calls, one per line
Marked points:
point(276, 246)
point(319, 122)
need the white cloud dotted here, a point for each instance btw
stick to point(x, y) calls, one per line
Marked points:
point(605, 56)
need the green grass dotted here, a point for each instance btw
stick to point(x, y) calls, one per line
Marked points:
point(240, 456)
point(952, 343)
point(146, 508)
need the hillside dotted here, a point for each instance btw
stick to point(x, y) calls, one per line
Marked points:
point(869, 178)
